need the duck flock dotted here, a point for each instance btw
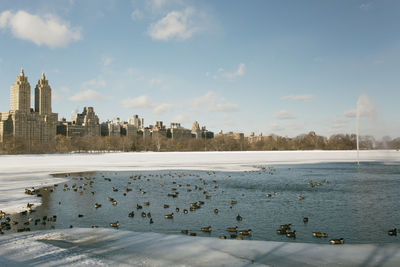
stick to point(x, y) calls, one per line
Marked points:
point(159, 200)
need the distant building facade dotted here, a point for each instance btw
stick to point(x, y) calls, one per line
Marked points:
point(202, 132)
point(36, 125)
point(82, 124)
point(176, 131)
point(235, 136)
point(255, 138)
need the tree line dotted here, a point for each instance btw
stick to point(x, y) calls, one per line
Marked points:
point(63, 144)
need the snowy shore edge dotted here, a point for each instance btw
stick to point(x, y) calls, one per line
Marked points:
point(107, 247)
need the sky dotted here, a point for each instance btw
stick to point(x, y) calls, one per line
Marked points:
point(271, 67)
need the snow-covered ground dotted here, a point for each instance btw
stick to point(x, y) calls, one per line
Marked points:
point(110, 247)
point(107, 247)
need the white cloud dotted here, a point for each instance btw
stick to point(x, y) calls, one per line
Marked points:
point(298, 97)
point(223, 107)
point(364, 107)
point(154, 81)
point(41, 30)
point(94, 83)
point(175, 25)
point(138, 102)
point(284, 115)
point(144, 102)
point(137, 14)
point(106, 61)
point(291, 128)
point(365, 6)
point(231, 75)
point(211, 102)
point(182, 118)
point(86, 95)
point(160, 6)
point(161, 108)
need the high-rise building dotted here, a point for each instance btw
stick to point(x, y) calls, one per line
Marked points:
point(82, 124)
point(22, 122)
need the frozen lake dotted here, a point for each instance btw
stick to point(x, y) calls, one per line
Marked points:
point(358, 204)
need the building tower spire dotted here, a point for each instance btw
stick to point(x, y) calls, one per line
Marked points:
point(20, 94)
point(43, 96)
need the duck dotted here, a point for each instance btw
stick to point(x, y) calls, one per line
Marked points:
point(138, 207)
point(146, 203)
point(185, 211)
point(216, 211)
point(268, 195)
point(291, 234)
point(110, 199)
point(148, 215)
point(185, 231)
point(392, 232)
point(114, 224)
point(233, 202)
point(285, 226)
point(192, 234)
point(165, 206)
point(319, 234)
point(206, 229)
point(143, 214)
point(245, 232)
point(151, 221)
point(131, 214)
point(114, 202)
point(336, 241)
point(232, 229)
point(169, 216)
point(239, 218)
point(222, 237)
point(281, 231)
point(177, 209)
point(233, 235)
point(305, 219)
point(300, 197)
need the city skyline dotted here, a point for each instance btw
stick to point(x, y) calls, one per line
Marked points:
point(267, 67)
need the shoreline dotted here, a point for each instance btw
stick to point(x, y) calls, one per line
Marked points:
point(108, 247)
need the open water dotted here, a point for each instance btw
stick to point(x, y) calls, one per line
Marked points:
point(359, 204)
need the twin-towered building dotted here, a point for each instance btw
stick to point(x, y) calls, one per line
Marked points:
point(21, 122)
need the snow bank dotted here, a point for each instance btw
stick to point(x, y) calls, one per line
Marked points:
point(107, 247)
point(18, 172)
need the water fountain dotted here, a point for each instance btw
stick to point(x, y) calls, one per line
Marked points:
point(358, 130)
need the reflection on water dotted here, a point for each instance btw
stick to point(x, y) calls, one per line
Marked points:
point(358, 204)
